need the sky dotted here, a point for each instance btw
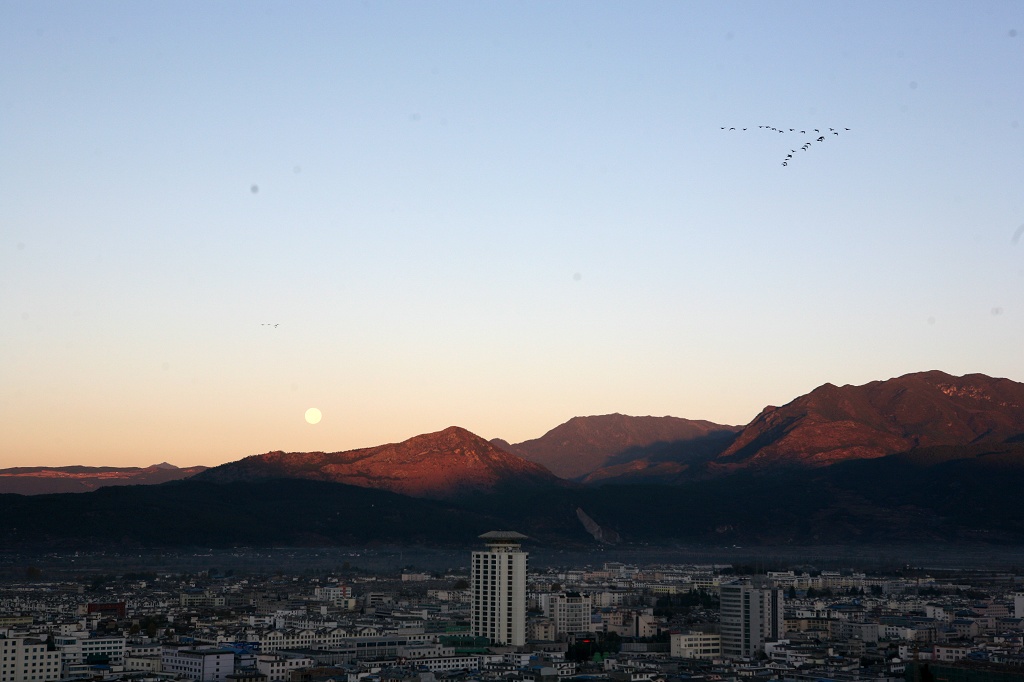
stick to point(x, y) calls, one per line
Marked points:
point(498, 215)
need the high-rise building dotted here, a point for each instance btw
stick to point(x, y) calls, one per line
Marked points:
point(498, 577)
point(750, 617)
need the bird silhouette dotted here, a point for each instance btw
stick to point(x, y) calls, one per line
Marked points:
point(789, 157)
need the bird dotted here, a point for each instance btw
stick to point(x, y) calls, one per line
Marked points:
point(821, 139)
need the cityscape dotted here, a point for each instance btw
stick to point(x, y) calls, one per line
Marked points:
point(497, 617)
point(511, 341)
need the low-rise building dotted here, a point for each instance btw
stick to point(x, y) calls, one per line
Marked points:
point(203, 665)
point(702, 645)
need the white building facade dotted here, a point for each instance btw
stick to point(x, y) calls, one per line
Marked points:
point(203, 665)
point(750, 617)
point(570, 613)
point(498, 581)
point(27, 659)
point(701, 645)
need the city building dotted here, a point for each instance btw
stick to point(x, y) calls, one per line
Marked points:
point(570, 613)
point(702, 645)
point(750, 616)
point(498, 582)
point(203, 665)
point(28, 659)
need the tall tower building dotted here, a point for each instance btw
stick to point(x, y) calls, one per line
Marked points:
point(751, 616)
point(498, 577)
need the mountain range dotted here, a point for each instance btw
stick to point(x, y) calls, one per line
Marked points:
point(925, 457)
point(80, 479)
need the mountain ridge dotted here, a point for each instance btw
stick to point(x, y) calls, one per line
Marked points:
point(583, 445)
point(41, 480)
point(837, 423)
point(437, 465)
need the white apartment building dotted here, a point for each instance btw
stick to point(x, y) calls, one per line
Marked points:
point(498, 581)
point(703, 645)
point(203, 665)
point(79, 648)
point(570, 613)
point(279, 668)
point(26, 659)
point(750, 616)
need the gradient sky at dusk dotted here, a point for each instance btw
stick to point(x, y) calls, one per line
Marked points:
point(496, 215)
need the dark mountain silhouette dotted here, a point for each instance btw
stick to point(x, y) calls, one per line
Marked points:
point(583, 445)
point(435, 465)
point(662, 462)
point(262, 513)
point(955, 495)
point(833, 424)
point(80, 479)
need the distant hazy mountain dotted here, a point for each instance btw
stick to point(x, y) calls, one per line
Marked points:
point(838, 423)
point(81, 479)
point(619, 444)
point(433, 465)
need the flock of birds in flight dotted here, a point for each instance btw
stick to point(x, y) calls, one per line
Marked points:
point(821, 137)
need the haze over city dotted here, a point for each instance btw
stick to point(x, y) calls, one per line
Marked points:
point(215, 217)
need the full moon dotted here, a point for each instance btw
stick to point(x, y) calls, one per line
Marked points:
point(313, 415)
